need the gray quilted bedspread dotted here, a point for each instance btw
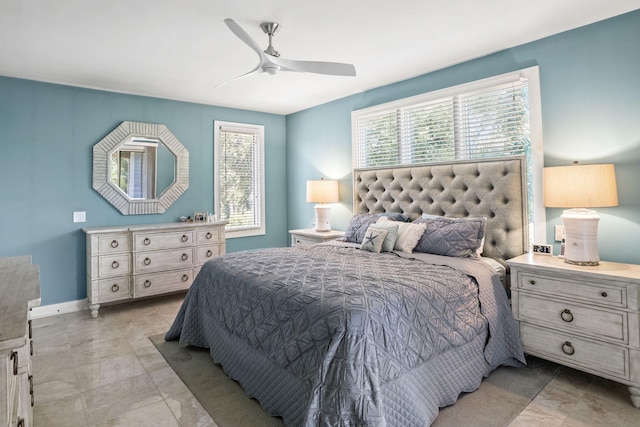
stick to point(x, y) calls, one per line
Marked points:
point(343, 323)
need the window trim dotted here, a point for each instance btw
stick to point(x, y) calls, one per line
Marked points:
point(532, 74)
point(258, 130)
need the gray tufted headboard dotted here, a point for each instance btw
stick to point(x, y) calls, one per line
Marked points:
point(495, 189)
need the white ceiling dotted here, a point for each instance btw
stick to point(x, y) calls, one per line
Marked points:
point(181, 49)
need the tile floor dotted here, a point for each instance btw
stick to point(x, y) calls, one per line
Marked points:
point(106, 372)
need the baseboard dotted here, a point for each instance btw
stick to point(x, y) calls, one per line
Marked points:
point(61, 308)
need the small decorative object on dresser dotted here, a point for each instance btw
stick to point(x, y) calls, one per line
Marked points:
point(19, 292)
point(129, 262)
point(585, 317)
point(309, 236)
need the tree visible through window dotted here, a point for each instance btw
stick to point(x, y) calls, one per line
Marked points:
point(239, 177)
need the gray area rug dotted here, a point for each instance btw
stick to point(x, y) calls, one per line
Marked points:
point(501, 396)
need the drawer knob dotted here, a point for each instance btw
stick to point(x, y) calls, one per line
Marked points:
point(115, 288)
point(147, 241)
point(185, 277)
point(185, 257)
point(115, 264)
point(147, 283)
point(184, 238)
point(147, 261)
point(567, 348)
point(20, 422)
point(114, 243)
point(209, 235)
point(209, 253)
point(532, 282)
point(566, 315)
point(604, 294)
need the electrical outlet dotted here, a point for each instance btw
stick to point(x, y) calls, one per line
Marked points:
point(559, 233)
point(542, 249)
point(79, 217)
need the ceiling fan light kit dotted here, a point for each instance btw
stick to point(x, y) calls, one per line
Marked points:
point(270, 61)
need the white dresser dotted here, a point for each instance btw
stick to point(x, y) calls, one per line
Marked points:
point(129, 262)
point(19, 292)
point(584, 317)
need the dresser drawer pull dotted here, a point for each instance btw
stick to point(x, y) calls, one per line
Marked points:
point(568, 349)
point(31, 347)
point(31, 388)
point(115, 288)
point(532, 282)
point(20, 422)
point(30, 330)
point(147, 261)
point(209, 253)
point(185, 257)
point(114, 244)
point(604, 294)
point(184, 238)
point(566, 315)
point(14, 357)
point(185, 277)
point(147, 241)
point(209, 235)
point(115, 264)
point(147, 283)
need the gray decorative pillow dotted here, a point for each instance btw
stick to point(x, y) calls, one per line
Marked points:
point(457, 237)
point(392, 232)
point(360, 222)
point(373, 239)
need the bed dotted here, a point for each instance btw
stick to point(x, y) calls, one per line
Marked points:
point(336, 335)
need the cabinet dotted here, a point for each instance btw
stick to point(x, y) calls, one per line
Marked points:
point(19, 292)
point(309, 236)
point(585, 317)
point(125, 263)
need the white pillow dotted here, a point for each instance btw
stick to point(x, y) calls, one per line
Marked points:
point(392, 228)
point(409, 234)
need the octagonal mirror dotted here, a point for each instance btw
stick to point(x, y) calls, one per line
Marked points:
point(140, 168)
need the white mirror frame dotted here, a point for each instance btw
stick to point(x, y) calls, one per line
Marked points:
point(101, 164)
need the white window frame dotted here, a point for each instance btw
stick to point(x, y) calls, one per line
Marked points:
point(258, 131)
point(532, 74)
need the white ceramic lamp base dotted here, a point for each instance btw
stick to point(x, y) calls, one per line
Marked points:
point(581, 231)
point(323, 221)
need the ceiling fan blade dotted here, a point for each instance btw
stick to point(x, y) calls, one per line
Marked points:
point(243, 35)
point(332, 68)
point(255, 70)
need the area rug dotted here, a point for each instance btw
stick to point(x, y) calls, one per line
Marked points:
point(502, 396)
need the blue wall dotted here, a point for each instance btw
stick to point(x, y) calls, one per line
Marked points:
point(590, 110)
point(46, 137)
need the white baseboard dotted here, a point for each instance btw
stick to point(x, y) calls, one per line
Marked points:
point(61, 308)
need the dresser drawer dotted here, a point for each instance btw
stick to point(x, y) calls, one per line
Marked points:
point(574, 318)
point(112, 243)
point(150, 284)
point(585, 291)
point(205, 253)
point(600, 358)
point(154, 241)
point(114, 265)
point(164, 260)
point(210, 235)
point(114, 289)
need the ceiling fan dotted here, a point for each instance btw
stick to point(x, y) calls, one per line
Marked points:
point(271, 63)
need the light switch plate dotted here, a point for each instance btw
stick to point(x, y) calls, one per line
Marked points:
point(79, 217)
point(559, 233)
point(542, 249)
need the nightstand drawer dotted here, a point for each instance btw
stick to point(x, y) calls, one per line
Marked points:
point(586, 291)
point(573, 318)
point(304, 241)
point(608, 360)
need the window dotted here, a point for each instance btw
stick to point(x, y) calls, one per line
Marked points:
point(239, 177)
point(494, 117)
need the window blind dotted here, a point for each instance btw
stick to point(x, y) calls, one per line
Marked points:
point(239, 177)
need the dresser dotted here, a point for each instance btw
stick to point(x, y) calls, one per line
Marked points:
point(584, 317)
point(308, 236)
point(19, 292)
point(129, 262)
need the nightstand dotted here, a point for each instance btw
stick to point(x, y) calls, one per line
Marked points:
point(308, 236)
point(583, 317)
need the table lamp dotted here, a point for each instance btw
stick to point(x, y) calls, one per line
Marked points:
point(580, 187)
point(322, 192)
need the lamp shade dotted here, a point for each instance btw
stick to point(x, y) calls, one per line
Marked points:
point(580, 186)
point(322, 191)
